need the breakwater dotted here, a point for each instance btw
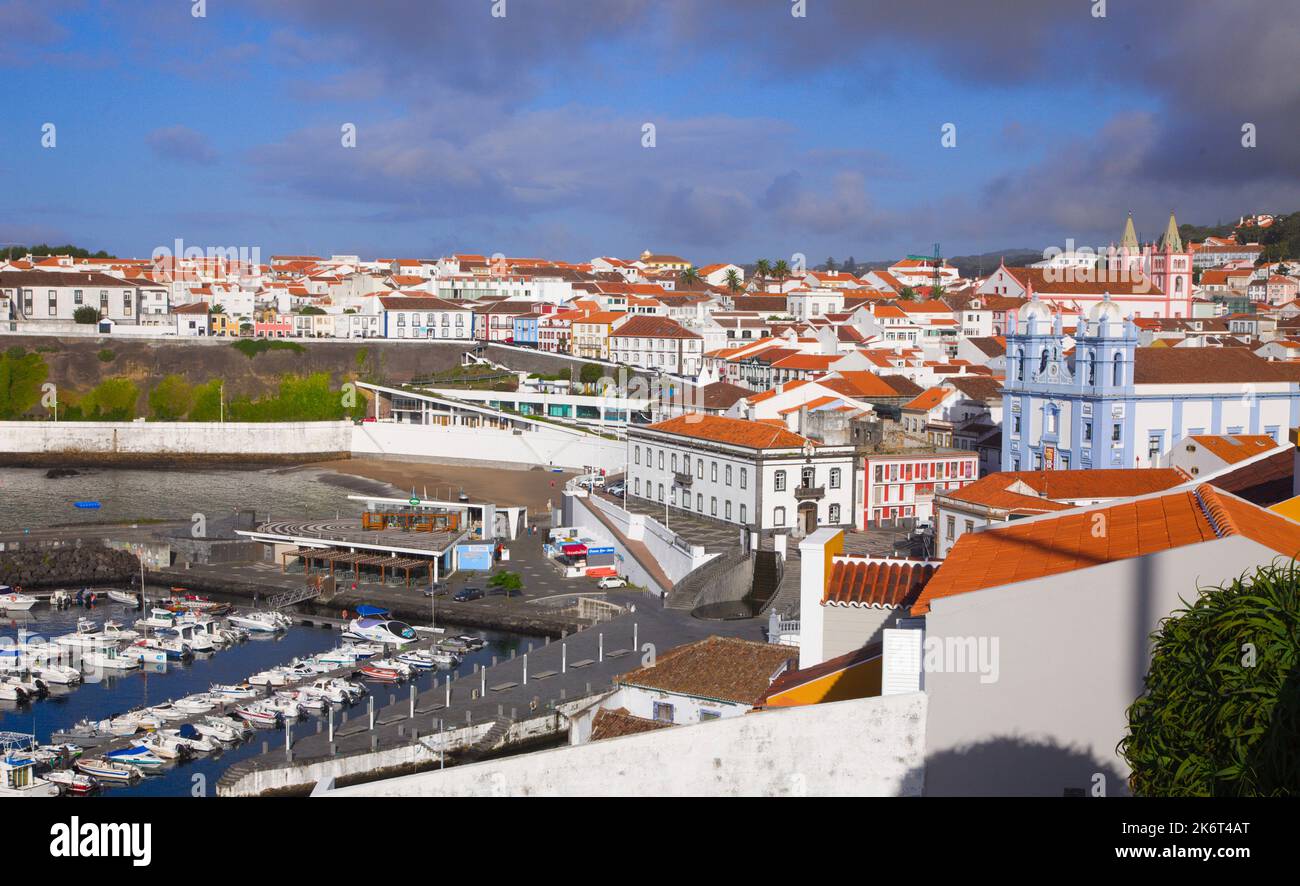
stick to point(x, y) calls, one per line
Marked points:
point(86, 564)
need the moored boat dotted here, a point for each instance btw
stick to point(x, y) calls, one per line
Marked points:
point(75, 783)
point(104, 769)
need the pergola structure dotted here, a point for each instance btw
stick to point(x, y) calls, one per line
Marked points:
point(356, 559)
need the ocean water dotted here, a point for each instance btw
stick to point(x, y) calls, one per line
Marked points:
point(119, 693)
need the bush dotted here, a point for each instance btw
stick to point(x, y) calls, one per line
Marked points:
point(113, 399)
point(86, 315)
point(1221, 712)
point(171, 399)
point(250, 348)
point(509, 582)
point(106, 356)
point(21, 377)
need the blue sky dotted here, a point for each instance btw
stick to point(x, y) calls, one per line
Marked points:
point(774, 134)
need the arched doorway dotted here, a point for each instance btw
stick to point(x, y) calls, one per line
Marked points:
point(807, 517)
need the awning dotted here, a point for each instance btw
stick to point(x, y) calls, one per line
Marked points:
point(602, 571)
point(371, 611)
point(575, 550)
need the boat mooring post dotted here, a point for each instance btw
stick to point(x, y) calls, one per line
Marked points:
point(331, 725)
point(372, 713)
point(634, 637)
point(600, 654)
point(412, 701)
point(525, 668)
point(564, 658)
point(447, 704)
point(288, 739)
point(483, 683)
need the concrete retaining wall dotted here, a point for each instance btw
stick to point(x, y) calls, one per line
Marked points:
point(544, 446)
point(865, 747)
point(96, 440)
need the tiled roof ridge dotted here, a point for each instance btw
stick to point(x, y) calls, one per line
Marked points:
point(1207, 497)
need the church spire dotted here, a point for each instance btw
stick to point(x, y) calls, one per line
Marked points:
point(1171, 241)
point(1130, 239)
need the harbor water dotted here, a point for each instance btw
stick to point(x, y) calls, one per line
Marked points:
point(118, 693)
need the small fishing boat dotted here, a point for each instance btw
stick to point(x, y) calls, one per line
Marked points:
point(33, 689)
point(333, 691)
point(188, 736)
point(166, 712)
point(123, 635)
point(74, 783)
point(126, 597)
point(157, 618)
point(288, 708)
point(109, 658)
point(12, 601)
point(57, 674)
point(105, 769)
point(163, 746)
point(86, 636)
point(259, 715)
point(472, 641)
point(11, 693)
point(420, 659)
point(58, 756)
point(237, 690)
point(305, 697)
point(195, 704)
point(145, 654)
point(273, 677)
point(381, 674)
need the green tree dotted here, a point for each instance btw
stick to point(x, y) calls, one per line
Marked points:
point(907, 294)
point(508, 582)
point(206, 402)
point(590, 373)
point(830, 264)
point(763, 270)
point(21, 377)
point(171, 399)
point(733, 281)
point(113, 399)
point(781, 270)
point(688, 277)
point(86, 315)
point(1221, 712)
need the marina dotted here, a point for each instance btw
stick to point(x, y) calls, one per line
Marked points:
point(184, 720)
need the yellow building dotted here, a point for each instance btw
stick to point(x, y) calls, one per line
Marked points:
point(660, 262)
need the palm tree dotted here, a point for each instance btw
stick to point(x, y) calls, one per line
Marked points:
point(780, 270)
point(733, 281)
point(688, 277)
point(763, 269)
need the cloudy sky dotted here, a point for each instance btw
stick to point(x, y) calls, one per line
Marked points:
point(524, 134)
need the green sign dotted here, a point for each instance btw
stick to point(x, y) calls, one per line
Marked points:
point(413, 501)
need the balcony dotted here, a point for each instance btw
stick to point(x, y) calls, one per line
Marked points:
point(809, 493)
point(682, 479)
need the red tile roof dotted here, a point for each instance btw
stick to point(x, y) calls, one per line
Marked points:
point(1233, 448)
point(1031, 549)
point(883, 583)
point(734, 431)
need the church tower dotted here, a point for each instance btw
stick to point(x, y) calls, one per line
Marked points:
point(1171, 271)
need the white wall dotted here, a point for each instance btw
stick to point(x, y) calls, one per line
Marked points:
point(544, 446)
point(179, 438)
point(864, 747)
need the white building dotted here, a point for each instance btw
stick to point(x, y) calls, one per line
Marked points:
point(743, 472)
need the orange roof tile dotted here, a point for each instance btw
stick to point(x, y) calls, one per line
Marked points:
point(734, 431)
point(884, 583)
point(1236, 447)
point(930, 399)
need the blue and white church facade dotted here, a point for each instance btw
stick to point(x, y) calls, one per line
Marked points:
point(1111, 404)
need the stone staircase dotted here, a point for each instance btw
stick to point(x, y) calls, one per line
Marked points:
point(488, 742)
point(786, 599)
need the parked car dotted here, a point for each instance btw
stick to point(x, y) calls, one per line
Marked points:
point(612, 581)
point(616, 490)
point(466, 594)
point(437, 589)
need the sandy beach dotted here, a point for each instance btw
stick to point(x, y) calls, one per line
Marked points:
point(531, 489)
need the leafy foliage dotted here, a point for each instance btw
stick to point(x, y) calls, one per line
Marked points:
point(85, 315)
point(206, 401)
point(113, 399)
point(251, 347)
point(509, 582)
point(171, 399)
point(21, 377)
point(105, 355)
point(1221, 712)
point(300, 398)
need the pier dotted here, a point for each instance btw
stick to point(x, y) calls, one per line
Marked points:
point(514, 704)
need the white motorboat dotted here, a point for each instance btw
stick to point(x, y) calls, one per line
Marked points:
point(86, 636)
point(188, 736)
point(117, 632)
point(162, 745)
point(237, 690)
point(220, 729)
point(391, 664)
point(190, 634)
point(103, 769)
point(289, 708)
point(83, 733)
point(381, 630)
point(166, 711)
point(12, 601)
point(126, 597)
point(305, 697)
point(145, 654)
point(109, 658)
point(349, 654)
point(71, 782)
point(31, 689)
point(61, 675)
point(195, 704)
point(11, 693)
point(134, 756)
point(262, 621)
point(157, 618)
point(258, 714)
point(273, 677)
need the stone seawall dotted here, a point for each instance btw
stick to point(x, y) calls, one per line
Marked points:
point(81, 565)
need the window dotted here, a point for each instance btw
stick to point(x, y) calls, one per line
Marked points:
point(728, 475)
point(834, 513)
point(699, 469)
point(661, 459)
point(807, 477)
point(950, 528)
point(76, 296)
point(661, 492)
point(778, 517)
point(663, 712)
point(1087, 432)
point(674, 462)
point(699, 502)
point(835, 481)
point(744, 516)
point(970, 525)
point(713, 505)
point(636, 486)
point(1116, 433)
point(744, 478)
point(636, 455)
point(1154, 446)
point(713, 472)
point(778, 480)
point(728, 510)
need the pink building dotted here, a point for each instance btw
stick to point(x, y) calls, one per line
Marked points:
point(902, 486)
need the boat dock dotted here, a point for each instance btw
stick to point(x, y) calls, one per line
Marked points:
point(517, 702)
